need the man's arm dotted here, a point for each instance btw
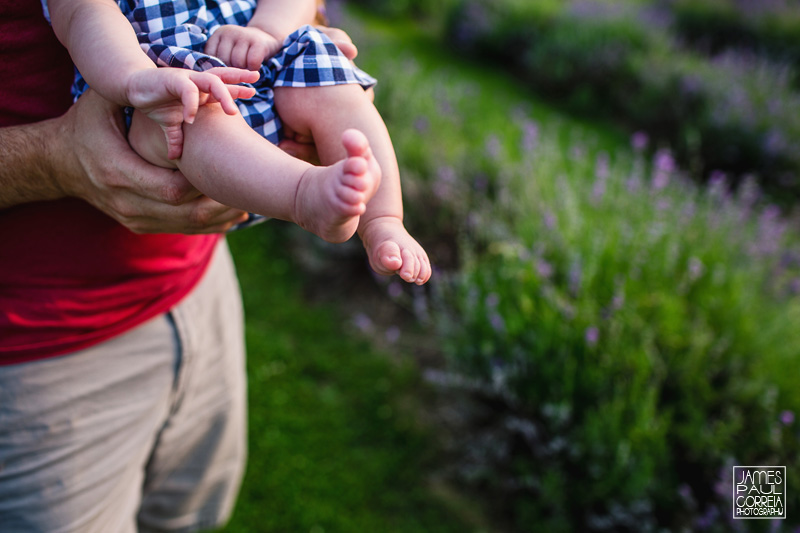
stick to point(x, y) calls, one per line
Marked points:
point(85, 154)
point(26, 176)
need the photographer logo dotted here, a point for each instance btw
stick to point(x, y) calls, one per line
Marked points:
point(759, 492)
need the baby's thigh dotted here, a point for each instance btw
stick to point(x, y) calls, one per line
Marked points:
point(309, 109)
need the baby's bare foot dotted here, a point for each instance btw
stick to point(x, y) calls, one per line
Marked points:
point(391, 250)
point(330, 200)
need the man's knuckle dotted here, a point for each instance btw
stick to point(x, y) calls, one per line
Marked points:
point(172, 194)
point(125, 211)
point(200, 217)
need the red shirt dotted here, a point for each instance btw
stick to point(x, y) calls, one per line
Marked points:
point(70, 276)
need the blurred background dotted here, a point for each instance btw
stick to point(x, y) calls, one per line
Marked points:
point(608, 191)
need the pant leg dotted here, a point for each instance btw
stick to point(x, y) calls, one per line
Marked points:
point(76, 432)
point(90, 439)
point(194, 474)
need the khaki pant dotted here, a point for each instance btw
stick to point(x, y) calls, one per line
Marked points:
point(145, 432)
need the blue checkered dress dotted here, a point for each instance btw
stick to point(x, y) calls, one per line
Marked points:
point(174, 34)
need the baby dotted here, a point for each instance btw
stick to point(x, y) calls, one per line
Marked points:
point(186, 118)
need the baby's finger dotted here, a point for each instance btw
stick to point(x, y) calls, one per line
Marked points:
point(235, 75)
point(256, 56)
point(209, 83)
point(189, 95)
point(239, 54)
point(240, 91)
point(212, 44)
point(222, 50)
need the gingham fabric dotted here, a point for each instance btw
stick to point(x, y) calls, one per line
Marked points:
point(174, 34)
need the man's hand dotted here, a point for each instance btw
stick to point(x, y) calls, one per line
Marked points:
point(91, 159)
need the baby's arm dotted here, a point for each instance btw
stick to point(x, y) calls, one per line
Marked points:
point(104, 47)
point(248, 47)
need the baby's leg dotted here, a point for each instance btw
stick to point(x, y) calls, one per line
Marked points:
point(324, 113)
point(229, 162)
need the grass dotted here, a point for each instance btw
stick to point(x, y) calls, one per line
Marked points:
point(331, 448)
point(333, 443)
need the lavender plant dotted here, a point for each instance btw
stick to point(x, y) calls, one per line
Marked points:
point(735, 113)
point(617, 337)
point(631, 333)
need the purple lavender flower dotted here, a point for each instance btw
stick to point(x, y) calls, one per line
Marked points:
point(696, 268)
point(549, 220)
point(664, 161)
point(707, 519)
point(639, 141)
point(592, 335)
point(794, 287)
point(633, 183)
point(543, 268)
point(481, 183)
point(787, 417)
point(395, 290)
point(530, 136)
point(493, 147)
point(392, 334)
point(717, 178)
point(618, 301)
point(445, 182)
point(660, 180)
point(601, 169)
point(574, 278)
point(362, 323)
point(492, 300)
point(598, 190)
point(497, 322)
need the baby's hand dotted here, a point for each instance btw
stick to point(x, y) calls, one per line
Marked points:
point(171, 96)
point(391, 250)
point(242, 47)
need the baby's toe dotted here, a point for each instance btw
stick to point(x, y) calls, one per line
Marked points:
point(424, 271)
point(411, 267)
point(355, 166)
point(355, 143)
point(389, 257)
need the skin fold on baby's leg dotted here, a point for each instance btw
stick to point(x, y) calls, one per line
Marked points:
point(323, 113)
point(227, 161)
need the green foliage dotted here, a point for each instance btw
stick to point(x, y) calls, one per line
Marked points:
point(735, 113)
point(772, 28)
point(639, 329)
point(624, 336)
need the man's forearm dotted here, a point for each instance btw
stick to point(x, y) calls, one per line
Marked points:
point(26, 170)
